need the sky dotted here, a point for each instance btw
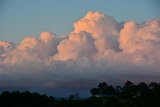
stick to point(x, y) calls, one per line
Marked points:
point(64, 47)
point(21, 18)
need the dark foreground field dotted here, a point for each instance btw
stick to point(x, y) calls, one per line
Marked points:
point(129, 95)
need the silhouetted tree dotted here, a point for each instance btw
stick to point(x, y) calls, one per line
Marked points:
point(129, 90)
point(95, 91)
point(71, 97)
point(152, 85)
point(130, 95)
point(142, 89)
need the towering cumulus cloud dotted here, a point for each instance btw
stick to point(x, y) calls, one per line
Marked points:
point(99, 49)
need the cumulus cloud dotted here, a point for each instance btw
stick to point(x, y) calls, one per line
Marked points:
point(98, 24)
point(5, 47)
point(102, 27)
point(140, 37)
point(76, 46)
point(99, 49)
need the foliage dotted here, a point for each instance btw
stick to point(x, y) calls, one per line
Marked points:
point(129, 95)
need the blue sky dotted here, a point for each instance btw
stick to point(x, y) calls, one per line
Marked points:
point(20, 18)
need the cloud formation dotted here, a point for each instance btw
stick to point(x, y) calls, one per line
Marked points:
point(99, 49)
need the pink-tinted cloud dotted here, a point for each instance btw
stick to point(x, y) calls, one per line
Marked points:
point(99, 49)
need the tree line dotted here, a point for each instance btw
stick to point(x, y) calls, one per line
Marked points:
point(129, 95)
point(104, 95)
